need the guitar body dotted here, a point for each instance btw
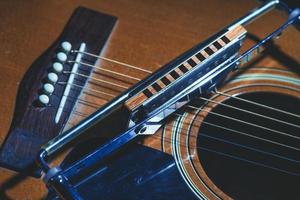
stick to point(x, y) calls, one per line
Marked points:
point(193, 157)
point(181, 161)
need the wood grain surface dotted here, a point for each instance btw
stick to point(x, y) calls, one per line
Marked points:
point(149, 33)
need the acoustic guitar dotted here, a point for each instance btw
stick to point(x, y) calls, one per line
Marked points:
point(240, 142)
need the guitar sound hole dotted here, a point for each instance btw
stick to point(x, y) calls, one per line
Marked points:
point(246, 167)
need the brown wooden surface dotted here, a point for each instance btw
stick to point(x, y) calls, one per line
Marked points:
point(149, 33)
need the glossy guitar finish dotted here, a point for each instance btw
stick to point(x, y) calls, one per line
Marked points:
point(177, 47)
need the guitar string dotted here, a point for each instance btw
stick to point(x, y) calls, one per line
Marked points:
point(236, 119)
point(228, 129)
point(263, 127)
point(80, 100)
point(247, 123)
point(255, 103)
point(201, 134)
point(105, 70)
point(237, 157)
point(246, 134)
point(96, 79)
point(253, 113)
point(241, 133)
point(87, 103)
point(112, 61)
point(249, 148)
point(83, 102)
point(231, 130)
point(148, 71)
point(250, 112)
point(86, 89)
point(231, 155)
point(274, 119)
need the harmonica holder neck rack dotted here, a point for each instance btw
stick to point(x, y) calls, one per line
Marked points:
point(64, 188)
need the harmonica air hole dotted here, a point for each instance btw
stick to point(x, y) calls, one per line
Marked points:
point(165, 80)
point(225, 39)
point(200, 56)
point(192, 63)
point(217, 45)
point(156, 87)
point(174, 74)
point(209, 51)
point(148, 93)
point(183, 68)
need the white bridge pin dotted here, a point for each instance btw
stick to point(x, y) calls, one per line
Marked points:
point(48, 88)
point(61, 56)
point(52, 77)
point(57, 67)
point(66, 46)
point(44, 99)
